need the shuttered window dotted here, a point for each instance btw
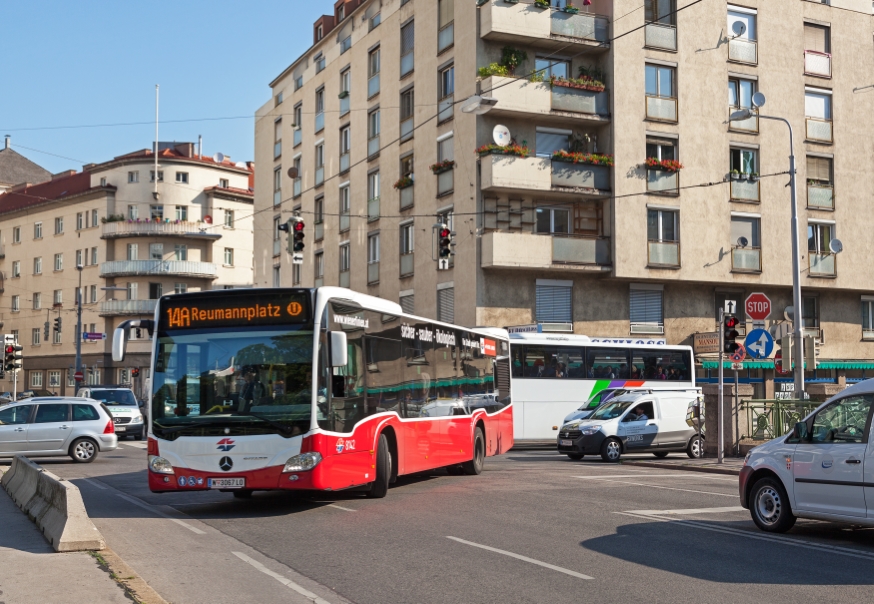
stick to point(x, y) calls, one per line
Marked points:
point(445, 12)
point(819, 169)
point(646, 306)
point(408, 304)
point(816, 37)
point(554, 304)
point(446, 305)
point(550, 142)
point(407, 38)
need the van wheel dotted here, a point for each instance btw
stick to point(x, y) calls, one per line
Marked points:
point(379, 487)
point(575, 456)
point(695, 450)
point(611, 450)
point(83, 450)
point(661, 454)
point(769, 506)
point(474, 467)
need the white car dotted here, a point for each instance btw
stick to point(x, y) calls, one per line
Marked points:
point(56, 426)
point(121, 402)
point(823, 469)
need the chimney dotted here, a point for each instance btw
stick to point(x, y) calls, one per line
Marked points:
point(8, 142)
point(199, 146)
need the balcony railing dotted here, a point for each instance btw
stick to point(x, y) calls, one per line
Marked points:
point(277, 247)
point(296, 187)
point(445, 107)
point(542, 174)
point(344, 278)
point(745, 190)
point(817, 63)
point(407, 197)
point(277, 149)
point(345, 221)
point(583, 176)
point(407, 129)
point(373, 85)
point(320, 121)
point(663, 253)
point(298, 136)
point(128, 307)
point(407, 63)
point(659, 35)
point(373, 146)
point(579, 249)
point(373, 209)
point(407, 264)
point(819, 129)
point(820, 196)
point(822, 265)
point(581, 25)
point(189, 268)
point(372, 272)
point(749, 125)
point(446, 37)
point(320, 175)
point(662, 181)
point(344, 105)
point(501, 249)
point(580, 101)
point(319, 233)
point(344, 162)
point(152, 229)
point(277, 197)
point(661, 108)
point(743, 51)
point(746, 259)
point(445, 182)
point(509, 21)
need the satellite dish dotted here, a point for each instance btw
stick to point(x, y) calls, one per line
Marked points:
point(789, 313)
point(758, 100)
point(292, 172)
point(836, 246)
point(218, 158)
point(742, 241)
point(501, 135)
point(739, 28)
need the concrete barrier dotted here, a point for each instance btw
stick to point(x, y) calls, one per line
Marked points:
point(55, 505)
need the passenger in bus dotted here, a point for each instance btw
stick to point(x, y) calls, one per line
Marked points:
point(660, 373)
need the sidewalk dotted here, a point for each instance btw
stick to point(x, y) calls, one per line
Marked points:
point(732, 465)
point(31, 571)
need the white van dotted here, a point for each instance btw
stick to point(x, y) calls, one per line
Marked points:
point(637, 422)
point(596, 400)
point(823, 469)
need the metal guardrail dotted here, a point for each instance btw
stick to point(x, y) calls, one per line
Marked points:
point(769, 419)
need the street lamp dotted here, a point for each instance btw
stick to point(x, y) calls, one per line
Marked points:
point(745, 114)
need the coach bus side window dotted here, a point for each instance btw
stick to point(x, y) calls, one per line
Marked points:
point(607, 363)
point(558, 362)
point(677, 365)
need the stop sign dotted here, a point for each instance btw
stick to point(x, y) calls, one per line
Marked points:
point(78, 376)
point(758, 306)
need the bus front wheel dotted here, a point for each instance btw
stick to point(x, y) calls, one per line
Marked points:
point(475, 465)
point(379, 487)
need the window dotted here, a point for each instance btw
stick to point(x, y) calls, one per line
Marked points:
point(133, 177)
point(277, 282)
point(180, 288)
point(298, 82)
point(58, 297)
point(345, 44)
point(445, 26)
point(345, 88)
point(818, 109)
point(229, 219)
point(550, 140)
point(80, 221)
point(842, 422)
point(298, 118)
point(407, 165)
point(660, 81)
point(662, 225)
point(645, 309)
point(319, 60)
point(156, 212)
point(180, 252)
point(56, 337)
point(319, 32)
point(93, 290)
point(132, 251)
point(552, 220)
point(817, 39)
point(133, 212)
point(344, 258)
point(661, 149)
point(295, 274)
point(277, 185)
point(373, 128)
point(551, 68)
point(407, 114)
point(93, 218)
point(182, 213)
point(37, 230)
point(659, 11)
point(16, 303)
point(375, 20)
point(224, 183)
point(93, 256)
point(59, 262)
point(406, 240)
point(345, 140)
point(745, 232)
point(156, 290)
point(59, 225)
point(745, 161)
point(152, 176)
point(320, 265)
point(79, 261)
point(16, 269)
point(182, 178)
point(373, 66)
point(341, 12)
point(345, 208)
point(868, 317)
point(740, 92)
point(16, 234)
point(277, 100)
point(131, 291)
point(277, 138)
point(373, 185)
point(446, 304)
point(819, 236)
point(35, 336)
point(37, 265)
point(37, 300)
point(445, 94)
point(552, 301)
point(408, 303)
point(446, 149)
point(46, 414)
point(407, 46)
point(319, 213)
point(55, 382)
point(156, 251)
point(229, 256)
point(320, 109)
point(373, 248)
point(742, 48)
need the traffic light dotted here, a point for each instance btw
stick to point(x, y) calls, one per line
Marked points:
point(298, 227)
point(729, 334)
point(135, 372)
point(810, 352)
point(11, 356)
point(58, 324)
point(46, 331)
point(786, 352)
point(444, 241)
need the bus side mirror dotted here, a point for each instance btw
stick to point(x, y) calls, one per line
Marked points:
point(338, 350)
point(118, 344)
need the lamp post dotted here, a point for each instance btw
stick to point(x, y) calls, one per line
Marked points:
point(798, 333)
point(79, 321)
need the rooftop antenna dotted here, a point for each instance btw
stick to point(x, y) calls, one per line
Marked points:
point(155, 192)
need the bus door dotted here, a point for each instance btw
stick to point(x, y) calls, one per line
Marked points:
point(347, 387)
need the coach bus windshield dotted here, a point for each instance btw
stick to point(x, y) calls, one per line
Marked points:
point(232, 381)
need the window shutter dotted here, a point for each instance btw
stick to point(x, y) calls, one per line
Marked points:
point(646, 306)
point(445, 12)
point(554, 304)
point(819, 168)
point(407, 304)
point(407, 38)
point(815, 38)
point(446, 305)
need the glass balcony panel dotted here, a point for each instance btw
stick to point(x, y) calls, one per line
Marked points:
point(444, 108)
point(373, 146)
point(445, 182)
point(296, 185)
point(277, 197)
point(580, 101)
point(344, 162)
point(277, 149)
point(822, 264)
point(407, 198)
point(658, 35)
point(123, 228)
point(745, 190)
point(320, 175)
point(445, 37)
point(746, 259)
point(319, 282)
point(665, 253)
point(580, 25)
point(373, 208)
point(344, 279)
point(298, 137)
point(821, 196)
point(407, 129)
point(661, 108)
point(407, 63)
point(407, 264)
point(344, 105)
point(819, 129)
point(320, 121)
point(817, 63)
point(372, 85)
point(743, 51)
point(320, 231)
point(751, 124)
point(344, 222)
point(373, 272)
point(277, 247)
point(568, 249)
point(662, 181)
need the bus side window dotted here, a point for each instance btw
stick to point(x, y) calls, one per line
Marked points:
point(607, 363)
point(384, 360)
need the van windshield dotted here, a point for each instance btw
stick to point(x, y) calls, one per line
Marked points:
point(115, 397)
point(612, 410)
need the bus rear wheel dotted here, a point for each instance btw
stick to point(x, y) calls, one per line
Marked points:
point(475, 465)
point(379, 487)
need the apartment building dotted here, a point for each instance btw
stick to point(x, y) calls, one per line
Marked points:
point(627, 205)
point(136, 235)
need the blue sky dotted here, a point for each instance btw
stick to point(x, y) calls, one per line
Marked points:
point(97, 62)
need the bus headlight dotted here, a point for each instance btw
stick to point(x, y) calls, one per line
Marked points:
point(589, 430)
point(159, 465)
point(302, 462)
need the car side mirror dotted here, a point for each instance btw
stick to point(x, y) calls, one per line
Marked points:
point(799, 432)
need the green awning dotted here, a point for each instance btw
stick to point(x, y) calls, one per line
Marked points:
point(769, 364)
point(763, 364)
point(845, 365)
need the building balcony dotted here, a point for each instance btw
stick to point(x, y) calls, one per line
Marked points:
point(820, 196)
point(445, 108)
point(116, 230)
point(372, 272)
point(407, 128)
point(660, 36)
point(743, 51)
point(661, 108)
point(663, 182)
point(407, 197)
point(319, 231)
point(749, 125)
point(344, 105)
point(543, 251)
point(509, 173)
point(373, 85)
point(320, 175)
point(177, 268)
point(277, 247)
point(372, 146)
point(817, 64)
point(296, 187)
point(115, 308)
point(822, 265)
point(746, 259)
point(527, 24)
point(663, 253)
point(445, 182)
point(518, 97)
point(407, 264)
point(277, 149)
point(345, 221)
point(745, 190)
point(819, 130)
point(344, 162)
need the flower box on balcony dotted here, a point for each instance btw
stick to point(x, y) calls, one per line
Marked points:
point(571, 9)
point(443, 166)
point(344, 94)
point(492, 149)
point(541, 3)
point(666, 165)
point(589, 84)
point(595, 159)
point(404, 182)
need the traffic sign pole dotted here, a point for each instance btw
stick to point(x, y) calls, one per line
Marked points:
point(721, 386)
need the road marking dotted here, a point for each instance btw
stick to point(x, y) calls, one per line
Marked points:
point(654, 486)
point(821, 547)
point(523, 558)
point(287, 582)
point(150, 508)
point(340, 507)
point(134, 444)
point(677, 475)
point(735, 508)
point(93, 483)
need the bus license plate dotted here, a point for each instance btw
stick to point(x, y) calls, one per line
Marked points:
point(566, 443)
point(226, 483)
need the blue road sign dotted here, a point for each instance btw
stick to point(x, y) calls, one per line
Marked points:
point(759, 344)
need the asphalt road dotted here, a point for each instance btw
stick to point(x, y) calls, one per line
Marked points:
point(534, 527)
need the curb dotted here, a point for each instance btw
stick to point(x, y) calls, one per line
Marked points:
point(686, 468)
point(127, 578)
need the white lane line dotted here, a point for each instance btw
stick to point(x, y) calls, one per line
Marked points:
point(821, 547)
point(523, 558)
point(735, 508)
point(654, 486)
point(677, 475)
point(134, 444)
point(287, 582)
point(146, 506)
point(93, 483)
point(340, 507)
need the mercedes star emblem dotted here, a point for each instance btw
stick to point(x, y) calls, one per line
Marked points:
point(226, 463)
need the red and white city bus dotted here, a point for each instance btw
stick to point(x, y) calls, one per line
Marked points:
point(316, 389)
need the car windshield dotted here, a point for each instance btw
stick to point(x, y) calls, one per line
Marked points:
point(612, 410)
point(230, 381)
point(114, 397)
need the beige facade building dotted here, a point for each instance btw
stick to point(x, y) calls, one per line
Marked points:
point(624, 246)
point(135, 240)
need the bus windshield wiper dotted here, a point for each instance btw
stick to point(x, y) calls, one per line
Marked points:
point(279, 426)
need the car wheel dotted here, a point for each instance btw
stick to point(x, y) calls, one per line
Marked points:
point(695, 450)
point(575, 456)
point(769, 506)
point(379, 487)
point(474, 467)
point(611, 450)
point(83, 450)
point(661, 454)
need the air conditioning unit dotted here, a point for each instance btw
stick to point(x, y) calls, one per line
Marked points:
point(647, 328)
point(557, 327)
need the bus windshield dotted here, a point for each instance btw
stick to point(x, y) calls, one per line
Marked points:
point(232, 382)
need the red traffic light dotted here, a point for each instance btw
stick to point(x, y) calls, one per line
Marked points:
point(731, 321)
point(444, 233)
point(299, 226)
point(10, 349)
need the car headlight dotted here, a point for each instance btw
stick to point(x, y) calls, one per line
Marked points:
point(137, 419)
point(302, 462)
point(159, 465)
point(589, 430)
point(747, 458)
point(572, 426)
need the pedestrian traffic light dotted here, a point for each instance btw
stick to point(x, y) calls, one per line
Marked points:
point(11, 356)
point(444, 241)
point(58, 324)
point(729, 334)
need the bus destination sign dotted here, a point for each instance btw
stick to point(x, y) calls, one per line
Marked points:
point(235, 311)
